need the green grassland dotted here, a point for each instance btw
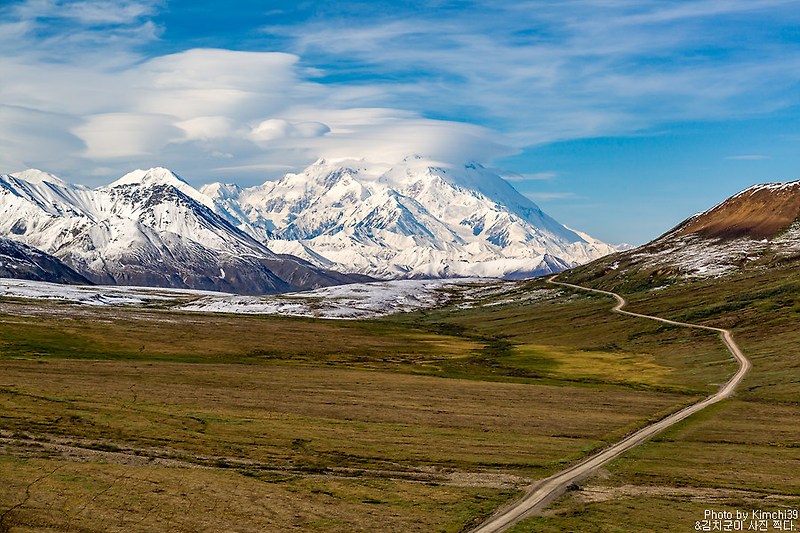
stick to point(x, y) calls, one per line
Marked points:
point(59, 495)
point(741, 454)
point(128, 419)
point(404, 422)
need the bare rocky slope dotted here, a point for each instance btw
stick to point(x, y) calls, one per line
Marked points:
point(756, 229)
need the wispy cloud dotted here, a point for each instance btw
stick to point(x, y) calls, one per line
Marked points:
point(87, 12)
point(562, 70)
point(536, 176)
point(97, 31)
point(198, 110)
point(105, 105)
point(458, 80)
point(551, 196)
point(752, 157)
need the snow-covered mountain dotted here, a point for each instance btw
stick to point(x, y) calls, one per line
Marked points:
point(20, 261)
point(333, 223)
point(415, 219)
point(759, 225)
point(147, 228)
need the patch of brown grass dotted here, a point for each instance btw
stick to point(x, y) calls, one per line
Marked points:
point(318, 417)
point(57, 496)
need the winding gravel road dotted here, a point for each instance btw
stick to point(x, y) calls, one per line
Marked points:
point(543, 492)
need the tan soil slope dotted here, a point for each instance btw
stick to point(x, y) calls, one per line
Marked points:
point(760, 212)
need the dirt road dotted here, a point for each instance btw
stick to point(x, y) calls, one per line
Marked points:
point(543, 492)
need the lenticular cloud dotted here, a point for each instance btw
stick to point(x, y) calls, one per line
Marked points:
point(203, 110)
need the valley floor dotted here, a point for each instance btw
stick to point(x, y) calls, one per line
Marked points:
point(133, 419)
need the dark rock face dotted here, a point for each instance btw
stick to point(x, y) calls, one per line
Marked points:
point(20, 261)
point(214, 271)
point(185, 264)
point(302, 275)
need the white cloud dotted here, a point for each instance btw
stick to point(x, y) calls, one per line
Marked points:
point(89, 12)
point(207, 128)
point(535, 176)
point(275, 128)
point(33, 138)
point(203, 82)
point(97, 32)
point(550, 196)
point(192, 109)
point(81, 96)
point(114, 135)
point(547, 71)
point(102, 12)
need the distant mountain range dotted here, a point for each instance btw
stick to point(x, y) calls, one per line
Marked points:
point(758, 228)
point(147, 228)
point(333, 223)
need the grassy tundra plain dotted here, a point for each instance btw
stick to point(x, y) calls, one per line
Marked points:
point(135, 419)
point(743, 453)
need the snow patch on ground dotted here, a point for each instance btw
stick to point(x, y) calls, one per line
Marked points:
point(355, 301)
point(370, 300)
point(95, 295)
point(697, 257)
point(343, 302)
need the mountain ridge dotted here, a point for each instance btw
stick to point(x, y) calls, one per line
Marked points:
point(147, 231)
point(757, 228)
point(345, 220)
point(20, 261)
point(760, 211)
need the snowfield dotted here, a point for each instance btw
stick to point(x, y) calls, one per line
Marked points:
point(359, 300)
point(96, 295)
point(344, 302)
point(371, 300)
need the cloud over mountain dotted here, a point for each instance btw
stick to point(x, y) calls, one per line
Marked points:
point(102, 85)
point(571, 96)
point(206, 111)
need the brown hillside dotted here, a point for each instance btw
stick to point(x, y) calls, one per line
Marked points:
point(760, 212)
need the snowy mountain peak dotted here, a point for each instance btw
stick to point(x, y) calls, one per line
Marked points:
point(774, 186)
point(417, 218)
point(759, 212)
point(756, 230)
point(148, 228)
point(152, 176)
point(160, 176)
point(36, 176)
point(221, 190)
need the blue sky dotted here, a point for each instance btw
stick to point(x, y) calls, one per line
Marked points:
point(619, 118)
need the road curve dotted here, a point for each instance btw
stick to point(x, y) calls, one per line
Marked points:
point(543, 492)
